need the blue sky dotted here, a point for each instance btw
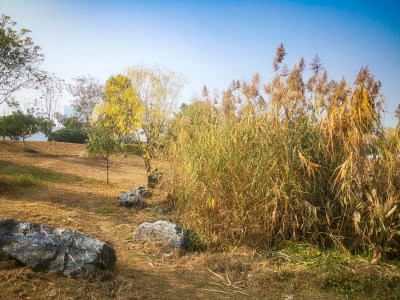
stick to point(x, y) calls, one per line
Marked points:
point(213, 42)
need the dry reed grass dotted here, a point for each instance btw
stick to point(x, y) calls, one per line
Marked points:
point(291, 163)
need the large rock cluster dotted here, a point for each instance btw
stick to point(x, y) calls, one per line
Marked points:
point(54, 249)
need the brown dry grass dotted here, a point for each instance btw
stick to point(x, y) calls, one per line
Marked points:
point(72, 194)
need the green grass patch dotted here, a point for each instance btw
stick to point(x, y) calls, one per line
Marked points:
point(359, 285)
point(345, 282)
point(313, 256)
point(340, 272)
point(110, 208)
point(93, 181)
point(27, 174)
point(26, 180)
point(23, 176)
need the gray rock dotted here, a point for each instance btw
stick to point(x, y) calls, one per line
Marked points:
point(168, 233)
point(142, 191)
point(54, 249)
point(129, 199)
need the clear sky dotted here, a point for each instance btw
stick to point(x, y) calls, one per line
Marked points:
point(213, 42)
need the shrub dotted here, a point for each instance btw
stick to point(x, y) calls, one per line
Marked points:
point(68, 135)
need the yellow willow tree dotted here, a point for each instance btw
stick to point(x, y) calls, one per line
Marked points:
point(158, 90)
point(121, 111)
point(139, 103)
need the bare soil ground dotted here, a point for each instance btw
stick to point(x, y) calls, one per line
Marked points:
point(54, 184)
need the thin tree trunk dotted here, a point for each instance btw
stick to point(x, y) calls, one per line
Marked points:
point(23, 141)
point(107, 168)
point(150, 183)
point(147, 163)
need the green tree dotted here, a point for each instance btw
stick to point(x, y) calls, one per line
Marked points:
point(73, 123)
point(21, 125)
point(19, 59)
point(102, 143)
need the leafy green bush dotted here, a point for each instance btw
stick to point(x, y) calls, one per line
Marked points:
point(68, 135)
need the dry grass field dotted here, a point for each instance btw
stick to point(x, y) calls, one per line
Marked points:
point(56, 185)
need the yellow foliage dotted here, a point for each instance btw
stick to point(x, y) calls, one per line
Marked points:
point(122, 110)
point(139, 102)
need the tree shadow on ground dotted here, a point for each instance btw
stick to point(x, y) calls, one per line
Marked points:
point(124, 282)
point(98, 163)
point(28, 183)
point(13, 168)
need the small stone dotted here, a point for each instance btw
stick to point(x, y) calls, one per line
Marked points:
point(129, 199)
